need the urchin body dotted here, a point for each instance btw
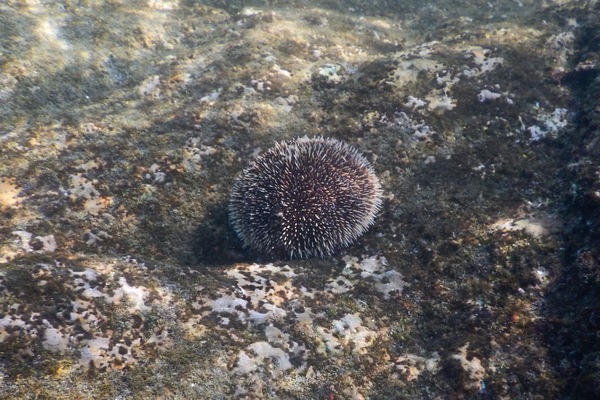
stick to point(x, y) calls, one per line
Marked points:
point(304, 197)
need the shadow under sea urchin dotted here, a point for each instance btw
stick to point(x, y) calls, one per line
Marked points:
point(304, 197)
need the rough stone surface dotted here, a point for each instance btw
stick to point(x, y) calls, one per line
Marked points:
point(124, 124)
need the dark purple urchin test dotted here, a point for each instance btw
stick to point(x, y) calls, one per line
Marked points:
point(304, 197)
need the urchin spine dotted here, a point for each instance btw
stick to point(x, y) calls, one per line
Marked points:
point(305, 197)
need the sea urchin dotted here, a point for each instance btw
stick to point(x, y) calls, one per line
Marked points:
point(304, 197)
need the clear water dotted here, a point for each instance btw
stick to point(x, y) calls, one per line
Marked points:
point(123, 125)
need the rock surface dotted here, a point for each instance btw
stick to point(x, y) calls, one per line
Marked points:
point(124, 124)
